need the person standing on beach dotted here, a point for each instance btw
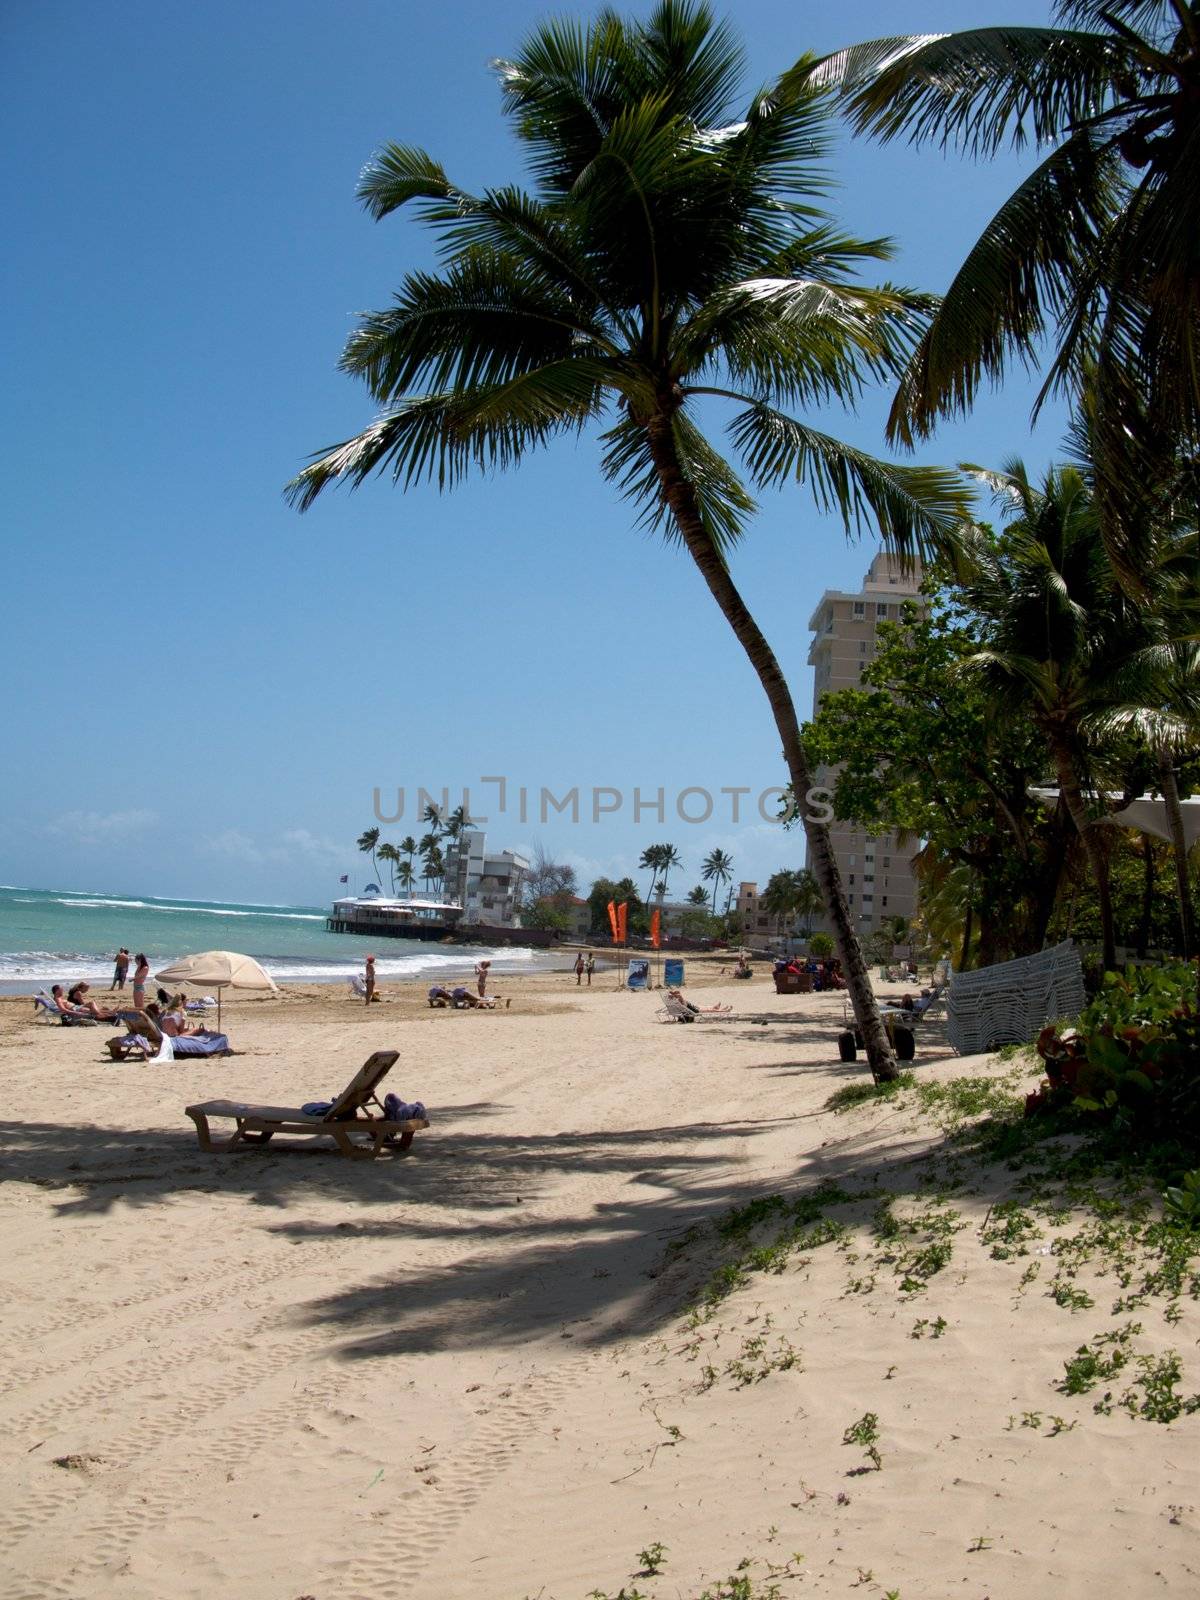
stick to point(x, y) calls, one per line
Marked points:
point(481, 978)
point(140, 973)
point(121, 968)
point(370, 980)
point(580, 969)
point(590, 967)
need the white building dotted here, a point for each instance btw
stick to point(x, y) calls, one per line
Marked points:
point(486, 886)
point(875, 870)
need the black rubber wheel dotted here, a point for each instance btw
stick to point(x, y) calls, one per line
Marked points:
point(846, 1049)
point(906, 1044)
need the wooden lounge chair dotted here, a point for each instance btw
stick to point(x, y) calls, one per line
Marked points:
point(342, 1122)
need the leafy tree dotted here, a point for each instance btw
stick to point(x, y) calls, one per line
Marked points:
point(408, 847)
point(920, 752)
point(671, 254)
point(651, 860)
point(779, 897)
point(405, 876)
point(1065, 643)
point(698, 896)
point(544, 913)
point(368, 843)
point(717, 869)
point(806, 901)
point(606, 889)
point(1097, 246)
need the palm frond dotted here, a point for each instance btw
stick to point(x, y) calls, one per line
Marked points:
point(975, 89)
point(723, 503)
point(399, 173)
point(1044, 232)
point(916, 510)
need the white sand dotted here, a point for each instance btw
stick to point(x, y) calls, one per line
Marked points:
point(467, 1372)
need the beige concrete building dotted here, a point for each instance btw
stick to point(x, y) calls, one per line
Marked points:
point(876, 871)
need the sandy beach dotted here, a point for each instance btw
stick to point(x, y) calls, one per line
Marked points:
point(504, 1365)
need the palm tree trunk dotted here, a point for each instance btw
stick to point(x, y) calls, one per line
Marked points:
point(1147, 911)
point(679, 495)
point(1170, 791)
point(1069, 788)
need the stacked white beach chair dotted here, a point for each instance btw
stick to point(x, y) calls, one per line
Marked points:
point(1011, 1002)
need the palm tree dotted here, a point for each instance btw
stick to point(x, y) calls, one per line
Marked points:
point(716, 868)
point(668, 857)
point(389, 853)
point(456, 822)
point(406, 877)
point(433, 818)
point(671, 255)
point(408, 847)
point(698, 896)
point(651, 858)
point(778, 899)
point(808, 899)
point(1062, 641)
point(430, 855)
point(1097, 244)
point(368, 842)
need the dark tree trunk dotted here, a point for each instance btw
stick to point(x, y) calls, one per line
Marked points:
point(1097, 857)
point(1170, 790)
point(964, 959)
point(1143, 936)
point(680, 497)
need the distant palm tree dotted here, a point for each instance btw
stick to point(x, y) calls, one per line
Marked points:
point(778, 899)
point(405, 876)
point(456, 822)
point(668, 857)
point(389, 853)
point(716, 868)
point(433, 817)
point(408, 847)
point(368, 843)
point(429, 853)
point(672, 255)
point(808, 901)
point(651, 858)
point(698, 896)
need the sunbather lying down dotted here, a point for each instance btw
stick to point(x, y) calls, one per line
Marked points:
point(698, 1011)
point(461, 999)
point(147, 1040)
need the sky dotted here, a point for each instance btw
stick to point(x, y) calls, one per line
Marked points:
point(206, 689)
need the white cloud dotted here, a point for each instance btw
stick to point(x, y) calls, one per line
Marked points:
point(292, 845)
point(98, 827)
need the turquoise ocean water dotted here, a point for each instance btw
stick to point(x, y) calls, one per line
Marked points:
point(58, 935)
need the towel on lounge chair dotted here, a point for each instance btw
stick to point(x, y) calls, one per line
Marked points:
point(397, 1110)
point(200, 1044)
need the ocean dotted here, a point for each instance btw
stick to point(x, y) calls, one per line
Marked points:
point(59, 935)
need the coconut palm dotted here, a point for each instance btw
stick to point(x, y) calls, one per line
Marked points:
point(408, 847)
point(1097, 246)
point(807, 899)
point(388, 852)
point(669, 857)
point(430, 855)
point(368, 843)
point(778, 899)
point(698, 896)
point(650, 859)
point(716, 868)
point(406, 877)
point(670, 256)
point(1061, 640)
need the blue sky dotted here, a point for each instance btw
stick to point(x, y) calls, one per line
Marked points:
point(205, 688)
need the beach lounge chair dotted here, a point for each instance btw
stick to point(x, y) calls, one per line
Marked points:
point(357, 987)
point(676, 1010)
point(362, 1137)
point(45, 1010)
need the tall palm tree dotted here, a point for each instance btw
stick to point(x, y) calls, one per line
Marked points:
point(807, 899)
point(428, 850)
point(408, 847)
point(368, 843)
point(1061, 640)
point(670, 255)
point(716, 868)
point(388, 852)
point(698, 896)
point(650, 859)
point(669, 857)
point(406, 877)
point(1097, 246)
point(778, 899)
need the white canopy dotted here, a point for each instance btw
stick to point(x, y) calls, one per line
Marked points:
point(1148, 812)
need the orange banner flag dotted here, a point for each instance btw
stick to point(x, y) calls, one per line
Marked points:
point(612, 921)
point(655, 928)
point(623, 922)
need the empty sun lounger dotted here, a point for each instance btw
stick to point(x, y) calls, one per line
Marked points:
point(355, 1130)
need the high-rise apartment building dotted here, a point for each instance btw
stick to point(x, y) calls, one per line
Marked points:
point(876, 871)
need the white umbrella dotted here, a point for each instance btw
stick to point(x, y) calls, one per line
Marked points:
point(217, 969)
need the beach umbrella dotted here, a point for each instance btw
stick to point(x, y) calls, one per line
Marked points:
point(217, 969)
